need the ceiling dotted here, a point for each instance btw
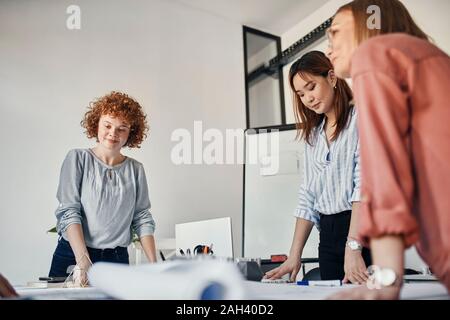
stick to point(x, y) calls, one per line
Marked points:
point(272, 16)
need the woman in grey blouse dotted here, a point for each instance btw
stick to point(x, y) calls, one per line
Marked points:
point(102, 194)
point(330, 193)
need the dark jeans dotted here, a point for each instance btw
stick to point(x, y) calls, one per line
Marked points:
point(333, 237)
point(64, 257)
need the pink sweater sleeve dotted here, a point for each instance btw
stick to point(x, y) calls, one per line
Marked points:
point(386, 170)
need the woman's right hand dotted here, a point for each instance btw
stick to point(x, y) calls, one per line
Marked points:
point(291, 265)
point(79, 275)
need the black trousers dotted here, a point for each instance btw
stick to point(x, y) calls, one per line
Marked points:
point(333, 237)
point(64, 257)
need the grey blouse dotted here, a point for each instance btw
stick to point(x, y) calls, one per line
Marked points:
point(108, 201)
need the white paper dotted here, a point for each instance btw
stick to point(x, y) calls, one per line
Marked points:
point(269, 291)
point(172, 280)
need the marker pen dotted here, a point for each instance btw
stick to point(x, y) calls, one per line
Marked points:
point(320, 283)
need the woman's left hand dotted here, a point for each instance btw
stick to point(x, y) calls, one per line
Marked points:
point(6, 290)
point(364, 293)
point(354, 267)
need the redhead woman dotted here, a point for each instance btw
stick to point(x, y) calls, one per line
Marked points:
point(103, 194)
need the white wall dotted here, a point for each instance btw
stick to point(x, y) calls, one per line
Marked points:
point(431, 16)
point(181, 64)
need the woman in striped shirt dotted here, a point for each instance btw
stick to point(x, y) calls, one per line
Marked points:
point(329, 195)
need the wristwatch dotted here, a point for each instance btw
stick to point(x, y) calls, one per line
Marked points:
point(354, 245)
point(381, 277)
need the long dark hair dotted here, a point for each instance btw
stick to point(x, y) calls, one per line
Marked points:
point(317, 64)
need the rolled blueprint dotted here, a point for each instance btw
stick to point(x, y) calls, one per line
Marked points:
point(202, 279)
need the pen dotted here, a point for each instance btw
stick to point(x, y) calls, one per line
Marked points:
point(44, 278)
point(188, 252)
point(162, 256)
point(320, 283)
point(182, 252)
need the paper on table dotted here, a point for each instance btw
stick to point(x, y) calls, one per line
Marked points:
point(174, 280)
point(268, 291)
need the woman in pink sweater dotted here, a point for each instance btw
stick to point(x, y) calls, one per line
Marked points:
point(401, 84)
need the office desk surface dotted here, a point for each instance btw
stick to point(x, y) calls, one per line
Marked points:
point(255, 291)
point(290, 291)
point(61, 293)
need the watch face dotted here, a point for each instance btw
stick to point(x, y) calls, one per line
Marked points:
point(387, 277)
point(380, 277)
point(354, 245)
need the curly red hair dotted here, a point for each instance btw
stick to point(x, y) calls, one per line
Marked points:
point(118, 105)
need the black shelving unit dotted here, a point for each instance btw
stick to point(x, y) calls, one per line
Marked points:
point(288, 55)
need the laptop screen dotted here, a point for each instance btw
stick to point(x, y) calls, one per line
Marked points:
point(215, 233)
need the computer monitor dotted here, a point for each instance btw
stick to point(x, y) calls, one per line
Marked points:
point(215, 232)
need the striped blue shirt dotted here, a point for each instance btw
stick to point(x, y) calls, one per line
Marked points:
point(331, 175)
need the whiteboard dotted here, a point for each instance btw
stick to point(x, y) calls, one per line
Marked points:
point(271, 196)
point(271, 192)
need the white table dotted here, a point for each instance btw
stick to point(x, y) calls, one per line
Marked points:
point(255, 291)
point(290, 291)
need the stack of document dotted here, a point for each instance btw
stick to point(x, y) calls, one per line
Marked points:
point(203, 279)
point(44, 284)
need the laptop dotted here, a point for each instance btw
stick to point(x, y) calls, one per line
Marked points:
point(216, 234)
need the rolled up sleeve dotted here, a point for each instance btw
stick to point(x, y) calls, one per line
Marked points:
point(386, 172)
point(68, 194)
point(305, 207)
point(143, 223)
